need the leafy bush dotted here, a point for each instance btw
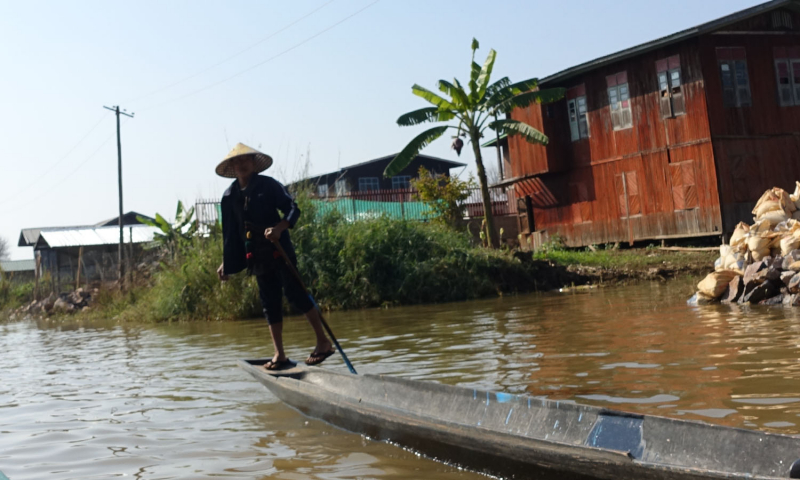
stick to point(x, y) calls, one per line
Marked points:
point(443, 195)
point(12, 294)
point(345, 264)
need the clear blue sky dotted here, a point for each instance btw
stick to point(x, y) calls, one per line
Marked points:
point(337, 95)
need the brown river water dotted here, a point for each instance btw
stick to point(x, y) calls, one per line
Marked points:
point(100, 400)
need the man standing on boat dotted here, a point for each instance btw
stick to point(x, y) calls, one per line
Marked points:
point(250, 223)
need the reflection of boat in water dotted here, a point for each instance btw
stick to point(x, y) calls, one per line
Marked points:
point(525, 437)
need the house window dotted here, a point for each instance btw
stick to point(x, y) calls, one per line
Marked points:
point(368, 183)
point(735, 80)
point(401, 182)
point(341, 187)
point(787, 71)
point(627, 186)
point(670, 87)
point(684, 190)
point(322, 190)
point(619, 101)
point(577, 109)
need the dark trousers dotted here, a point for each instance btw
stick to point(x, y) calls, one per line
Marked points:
point(271, 286)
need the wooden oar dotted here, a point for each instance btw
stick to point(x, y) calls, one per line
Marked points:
point(296, 275)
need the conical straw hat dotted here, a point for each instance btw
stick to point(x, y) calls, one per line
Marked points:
point(261, 161)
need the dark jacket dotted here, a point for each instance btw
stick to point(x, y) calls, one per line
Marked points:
point(266, 197)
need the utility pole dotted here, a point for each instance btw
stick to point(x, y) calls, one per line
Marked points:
point(115, 109)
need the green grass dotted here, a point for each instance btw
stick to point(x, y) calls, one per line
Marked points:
point(12, 294)
point(631, 258)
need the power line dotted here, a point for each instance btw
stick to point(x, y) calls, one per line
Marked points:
point(235, 54)
point(63, 179)
point(241, 72)
point(54, 165)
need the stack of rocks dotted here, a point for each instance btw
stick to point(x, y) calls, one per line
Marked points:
point(762, 262)
point(71, 302)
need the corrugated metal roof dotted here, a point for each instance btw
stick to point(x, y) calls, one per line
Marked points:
point(18, 265)
point(344, 170)
point(669, 39)
point(29, 236)
point(86, 236)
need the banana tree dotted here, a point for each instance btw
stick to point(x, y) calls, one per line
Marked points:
point(173, 236)
point(482, 105)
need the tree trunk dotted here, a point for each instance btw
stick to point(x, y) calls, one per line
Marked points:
point(491, 235)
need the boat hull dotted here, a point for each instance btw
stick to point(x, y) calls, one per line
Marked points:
point(522, 437)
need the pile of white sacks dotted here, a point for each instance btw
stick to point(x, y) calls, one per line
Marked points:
point(762, 260)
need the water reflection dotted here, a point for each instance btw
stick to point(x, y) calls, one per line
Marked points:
point(103, 400)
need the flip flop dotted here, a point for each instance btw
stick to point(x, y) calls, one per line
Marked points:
point(279, 365)
point(317, 358)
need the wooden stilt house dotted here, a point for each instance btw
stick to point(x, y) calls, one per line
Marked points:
point(674, 138)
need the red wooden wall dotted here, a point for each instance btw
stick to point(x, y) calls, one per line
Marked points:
point(755, 147)
point(670, 178)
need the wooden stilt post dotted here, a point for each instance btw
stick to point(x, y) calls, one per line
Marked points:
point(36, 276)
point(80, 264)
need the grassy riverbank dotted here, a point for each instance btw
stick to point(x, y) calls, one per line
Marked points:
point(370, 263)
point(615, 265)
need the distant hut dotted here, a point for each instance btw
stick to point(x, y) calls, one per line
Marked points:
point(91, 249)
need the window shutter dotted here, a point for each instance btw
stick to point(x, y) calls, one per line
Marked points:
point(742, 83)
point(728, 88)
point(583, 119)
point(627, 118)
point(676, 91)
point(573, 120)
point(785, 94)
point(583, 123)
point(678, 103)
point(795, 73)
point(666, 105)
point(663, 90)
point(616, 119)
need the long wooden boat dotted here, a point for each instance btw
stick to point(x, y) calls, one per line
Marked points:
point(518, 436)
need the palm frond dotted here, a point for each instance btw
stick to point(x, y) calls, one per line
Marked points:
point(147, 221)
point(427, 114)
point(525, 99)
point(411, 150)
point(459, 96)
point(163, 224)
point(183, 219)
point(493, 88)
point(509, 91)
point(474, 73)
point(515, 127)
point(432, 97)
point(485, 75)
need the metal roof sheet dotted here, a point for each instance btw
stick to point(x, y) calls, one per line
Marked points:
point(86, 236)
point(18, 265)
point(344, 170)
point(668, 40)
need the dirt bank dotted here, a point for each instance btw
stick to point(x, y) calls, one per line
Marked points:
point(626, 265)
